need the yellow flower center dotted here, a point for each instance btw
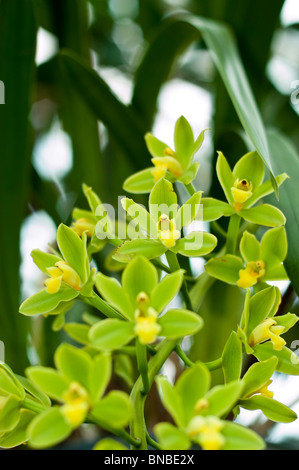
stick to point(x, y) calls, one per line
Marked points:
point(62, 272)
point(167, 163)
point(268, 330)
point(146, 327)
point(167, 231)
point(76, 404)
point(241, 191)
point(83, 225)
point(206, 431)
point(253, 272)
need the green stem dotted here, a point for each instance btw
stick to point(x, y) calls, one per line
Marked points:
point(117, 432)
point(190, 188)
point(160, 265)
point(217, 227)
point(33, 405)
point(232, 234)
point(175, 266)
point(103, 307)
point(141, 353)
point(214, 365)
point(152, 443)
point(138, 427)
point(183, 356)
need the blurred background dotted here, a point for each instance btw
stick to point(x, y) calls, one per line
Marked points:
point(51, 141)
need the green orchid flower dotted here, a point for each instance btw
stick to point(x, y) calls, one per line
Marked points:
point(260, 329)
point(174, 165)
point(69, 275)
point(140, 299)
point(261, 261)
point(18, 399)
point(197, 411)
point(159, 229)
point(76, 386)
point(243, 187)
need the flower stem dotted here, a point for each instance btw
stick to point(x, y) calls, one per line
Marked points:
point(183, 356)
point(138, 427)
point(103, 307)
point(175, 266)
point(232, 234)
point(214, 365)
point(190, 188)
point(141, 353)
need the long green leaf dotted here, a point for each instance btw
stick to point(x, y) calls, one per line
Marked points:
point(17, 53)
point(285, 156)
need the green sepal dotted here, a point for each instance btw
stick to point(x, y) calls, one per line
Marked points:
point(171, 438)
point(272, 409)
point(9, 413)
point(111, 334)
point(49, 381)
point(166, 290)
point(44, 260)
point(139, 276)
point(196, 243)
point(100, 375)
point(177, 323)
point(114, 294)
point(171, 400)
point(73, 249)
point(141, 216)
point(225, 268)
point(232, 358)
point(75, 364)
point(250, 247)
point(148, 248)
point(265, 214)
point(48, 429)
point(114, 409)
point(163, 200)
point(250, 167)
point(213, 209)
point(258, 375)
point(288, 362)
point(238, 437)
point(141, 182)
point(42, 302)
point(189, 174)
point(109, 444)
point(34, 391)
point(188, 211)
point(225, 177)
point(183, 141)
point(78, 332)
point(18, 435)
point(192, 385)
point(155, 146)
point(92, 198)
point(9, 384)
point(262, 305)
point(222, 398)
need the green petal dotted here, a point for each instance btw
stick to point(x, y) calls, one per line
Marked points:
point(192, 385)
point(264, 190)
point(232, 358)
point(42, 302)
point(288, 362)
point(51, 382)
point(225, 268)
point(240, 438)
point(183, 141)
point(140, 183)
point(18, 435)
point(78, 332)
point(262, 305)
point(250, 248)
point(111, 334)
point(114, 409)
point(92, 198)
point(272, 409)
point(147, 247)
point(214, 209)
point(139, 276)
point(100, 375)
point(250, 167)
point(73, 249)
point(225, 177)
point(75, 364)
point(171, 438)
point(44, 260)
point(177, 323)
point(265, 214)
point(140, 216)
point(188, 211)
point(115, 294)
point(109, 444)
point(274, 247)
point(258, 375)
point(48, 428)
point(196, 244)
point(222, 398)
point(166, 290)
point(171, 400)
point(155, 146)
point(9, 414)
point(163, 200)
